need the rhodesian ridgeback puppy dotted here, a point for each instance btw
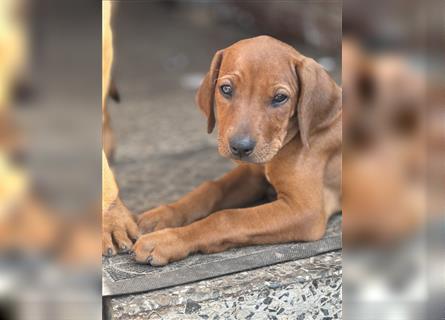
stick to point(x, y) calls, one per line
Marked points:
point(117, 221)
point(279, 118)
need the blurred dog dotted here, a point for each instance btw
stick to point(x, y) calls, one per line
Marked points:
point(29, 227)
point(14, 50)
point(117, 221)
point(13, 66)
point(383, 155)
point(279, 118)
point(25, 226)
point(22, 224)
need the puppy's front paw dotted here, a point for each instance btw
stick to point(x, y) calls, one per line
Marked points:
point(159, 218)
point(160, 247)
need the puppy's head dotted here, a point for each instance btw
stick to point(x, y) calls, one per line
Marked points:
point(262, 92)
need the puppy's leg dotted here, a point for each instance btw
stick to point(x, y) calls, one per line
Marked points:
point(240, 187)
point(275, 222)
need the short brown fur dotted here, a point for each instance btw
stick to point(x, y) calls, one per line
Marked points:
point(298, 152)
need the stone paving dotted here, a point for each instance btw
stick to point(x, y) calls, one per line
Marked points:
point(303, 289)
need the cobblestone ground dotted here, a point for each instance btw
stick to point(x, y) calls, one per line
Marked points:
point(302, 289)
point(163, 151)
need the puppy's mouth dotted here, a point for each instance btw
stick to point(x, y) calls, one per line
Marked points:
point(258, 155)
point(247, 159)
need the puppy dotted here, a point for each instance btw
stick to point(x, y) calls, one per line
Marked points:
point(279, 118)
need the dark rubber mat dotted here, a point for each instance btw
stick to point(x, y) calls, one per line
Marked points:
point(121, 275)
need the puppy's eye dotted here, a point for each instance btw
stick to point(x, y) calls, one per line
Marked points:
point(226, 90)
point(279, 99)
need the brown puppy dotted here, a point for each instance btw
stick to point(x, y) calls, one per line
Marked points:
point(279, 118)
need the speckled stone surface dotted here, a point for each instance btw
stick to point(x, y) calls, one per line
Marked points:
point(303, 289)
point(163, 151)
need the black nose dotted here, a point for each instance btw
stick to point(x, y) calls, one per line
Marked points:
point(242, 146)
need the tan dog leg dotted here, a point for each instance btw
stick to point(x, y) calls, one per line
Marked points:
point(118, 224)
point(108, 140)
point(240, 187)
point(107, 62)
point(117, 221)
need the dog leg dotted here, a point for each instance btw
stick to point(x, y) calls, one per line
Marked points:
point(242, 186)
point(108, 140)
point(117, 221)
point(276, 222)
point(118, 225)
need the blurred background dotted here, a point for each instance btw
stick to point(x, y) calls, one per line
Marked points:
point(393, 160)
point(50, 166)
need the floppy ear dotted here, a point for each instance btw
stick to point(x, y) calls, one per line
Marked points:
point(319, 98)
point(205, 97)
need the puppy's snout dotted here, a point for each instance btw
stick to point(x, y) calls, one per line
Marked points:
point(242, 146)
